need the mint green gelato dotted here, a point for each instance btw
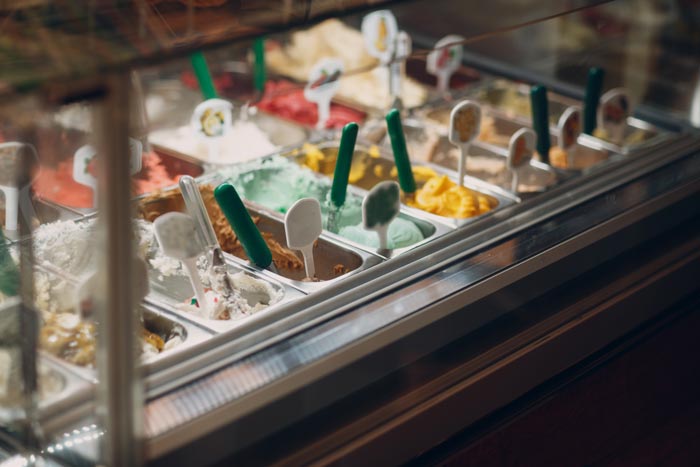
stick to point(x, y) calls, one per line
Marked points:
point(277, 183)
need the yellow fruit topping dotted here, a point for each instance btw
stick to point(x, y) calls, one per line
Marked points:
point(443, 197)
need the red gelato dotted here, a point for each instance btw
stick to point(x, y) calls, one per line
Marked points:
point(57, 184)
point(286, 100)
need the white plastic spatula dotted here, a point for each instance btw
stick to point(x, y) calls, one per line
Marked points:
point(177, 235)
point(303, 225)
point(465, 124)
point(615, 107)
point(444, 60)
point(569, 128)
point(379, 208)
point(322, 85)
point(520, 150)
point(84, 168)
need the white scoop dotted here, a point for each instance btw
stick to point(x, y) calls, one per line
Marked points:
point(177, 235)
point(303, 225)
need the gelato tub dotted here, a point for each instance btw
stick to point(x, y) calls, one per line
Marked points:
point(368, 166)
point(286, 100)
point(331, 38)
point(259, 134)
point(333, 260)
point(513, 100)
point(55, 183)
point(58, 388)
point(637, 135)
point(496, 132)
point(490, 166)
point(277, 183)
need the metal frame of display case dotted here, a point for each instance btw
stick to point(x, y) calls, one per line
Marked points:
point(238, 392)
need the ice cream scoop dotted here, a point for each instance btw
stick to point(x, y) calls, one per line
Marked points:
point(177, 235)
point(613, 111)
point(379, 208)
point(401, 159)
point(201, 70)
point(303, 225)
point(520, 150)
point(198, 211)
point(594, 87)
point(465, 122)
point(341, 173)
point(241, 222)
point(568, 129)
point(540, 120)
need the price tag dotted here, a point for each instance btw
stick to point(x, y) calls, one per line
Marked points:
point(322, 85)
point(569, 127)
point(379, 30)
point(445, 59)
point(520, 151)
point(85, 164)
point(614, 109)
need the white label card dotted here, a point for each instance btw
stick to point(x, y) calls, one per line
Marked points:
point(379, 30)
point(569, 127)
point(615, 107)
point(324, 81)
point(212, 119)
point(85, 164)
point(445, 59)
point(521, 148)
point(465, 123)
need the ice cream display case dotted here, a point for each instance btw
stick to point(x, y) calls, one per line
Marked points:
point(230, 226)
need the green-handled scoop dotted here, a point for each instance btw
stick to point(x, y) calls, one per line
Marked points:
point(259, 75)
point(341, 174)
point(398, 145)
point(343, 163)
point(248, 234)
point(201, 70)
point(594, 88)
point(540, 120)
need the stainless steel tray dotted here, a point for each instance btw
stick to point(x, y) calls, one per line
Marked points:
point(173, 291)
point(328, 254)
point(584, 155)
point(383, 164)
point(428, 228)
point(73, 390)
point(649, 135)
point(489, 165)
point(281, 133)
point(329, 251)
point(513, 100)
point(493, 93)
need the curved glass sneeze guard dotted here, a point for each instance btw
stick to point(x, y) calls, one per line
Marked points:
point(43, 41)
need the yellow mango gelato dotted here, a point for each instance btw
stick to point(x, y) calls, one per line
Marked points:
point(443, 197)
